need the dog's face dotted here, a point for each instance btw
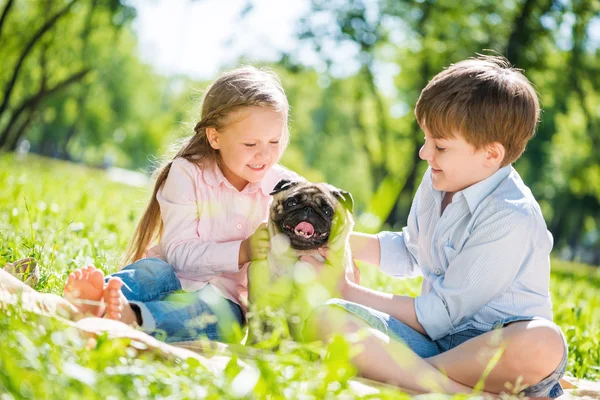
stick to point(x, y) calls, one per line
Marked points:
point(309, 213)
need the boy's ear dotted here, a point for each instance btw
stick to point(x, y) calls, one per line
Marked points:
point(495, 153)
point(213, 137)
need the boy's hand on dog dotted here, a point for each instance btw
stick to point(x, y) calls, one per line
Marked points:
point(324, 268)
point(324, 252)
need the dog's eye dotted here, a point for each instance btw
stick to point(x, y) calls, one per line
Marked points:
point(291, 203)
point(328, 211)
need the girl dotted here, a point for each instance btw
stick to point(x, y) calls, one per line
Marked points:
point(206, 210)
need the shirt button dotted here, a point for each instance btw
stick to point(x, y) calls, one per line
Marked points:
point(438, 272)
point(239, 226)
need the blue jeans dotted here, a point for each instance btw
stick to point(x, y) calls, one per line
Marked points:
point(424, 347)
point(171, 314)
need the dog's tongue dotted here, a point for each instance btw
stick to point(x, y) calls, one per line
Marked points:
point(306, 228)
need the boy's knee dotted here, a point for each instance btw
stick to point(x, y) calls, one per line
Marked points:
point(313, 325)
point(539, 351)
point(323, 321)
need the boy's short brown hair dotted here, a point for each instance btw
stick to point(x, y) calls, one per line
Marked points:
point(484, 100)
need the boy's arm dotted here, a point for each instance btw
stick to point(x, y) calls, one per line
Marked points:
point(498, 249)
point(398, 250)
point(400, 307)
point(365, 247)
point(387, 250)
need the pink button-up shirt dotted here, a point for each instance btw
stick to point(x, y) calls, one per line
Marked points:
point(205, 220)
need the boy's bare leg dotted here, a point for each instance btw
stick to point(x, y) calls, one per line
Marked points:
point(381, 358)
point(525, 350)
point(84, 289)
point(117, 306)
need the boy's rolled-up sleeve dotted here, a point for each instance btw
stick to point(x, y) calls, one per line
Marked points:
point(497, 249)
point(396, 259)
point(180, 243)
point(398, 249)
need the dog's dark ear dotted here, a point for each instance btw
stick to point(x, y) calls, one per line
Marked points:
point(345, 198)
point(284, 184)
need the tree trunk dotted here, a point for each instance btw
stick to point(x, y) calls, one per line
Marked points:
point(379, 170)
point(12, 145)
point(519, 37)
point(396, 215)
point(32, 102)
point(575, 235)
point(26, 51)
point(411, 181)
point(81, 97)
point(5, 12)
point(577, 64)
point(358, 98)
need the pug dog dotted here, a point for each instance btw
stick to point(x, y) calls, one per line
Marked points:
point(305, 219)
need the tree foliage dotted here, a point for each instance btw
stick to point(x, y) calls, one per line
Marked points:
point(549, 39)
point(73, 85)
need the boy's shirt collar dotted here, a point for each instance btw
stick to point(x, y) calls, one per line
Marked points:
point(474, 194)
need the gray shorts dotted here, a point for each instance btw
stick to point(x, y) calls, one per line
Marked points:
point(423, 346)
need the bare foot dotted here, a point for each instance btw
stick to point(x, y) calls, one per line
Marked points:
point(113, 300)
point(84, 289)
point(117, 306)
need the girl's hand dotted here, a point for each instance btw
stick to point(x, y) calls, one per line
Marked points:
point(257, 246)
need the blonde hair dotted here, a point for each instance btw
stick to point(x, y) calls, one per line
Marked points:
point(484, 100)
point(232, 91)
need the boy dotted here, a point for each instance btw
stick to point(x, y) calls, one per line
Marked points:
point(477, 235)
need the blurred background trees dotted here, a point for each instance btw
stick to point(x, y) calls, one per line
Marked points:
point(73, 86)
point(72, 83)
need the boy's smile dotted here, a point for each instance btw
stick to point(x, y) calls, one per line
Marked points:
point(456, 164)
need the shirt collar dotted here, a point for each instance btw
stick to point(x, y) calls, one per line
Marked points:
point(213, 176)
point(475, 194)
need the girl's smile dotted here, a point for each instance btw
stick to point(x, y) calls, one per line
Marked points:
point(257, 167)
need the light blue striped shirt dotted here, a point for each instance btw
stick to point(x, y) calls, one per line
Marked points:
point(486, 258)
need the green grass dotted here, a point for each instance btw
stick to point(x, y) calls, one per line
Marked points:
point(67, 216)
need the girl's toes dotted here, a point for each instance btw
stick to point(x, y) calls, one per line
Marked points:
point(115, 283)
